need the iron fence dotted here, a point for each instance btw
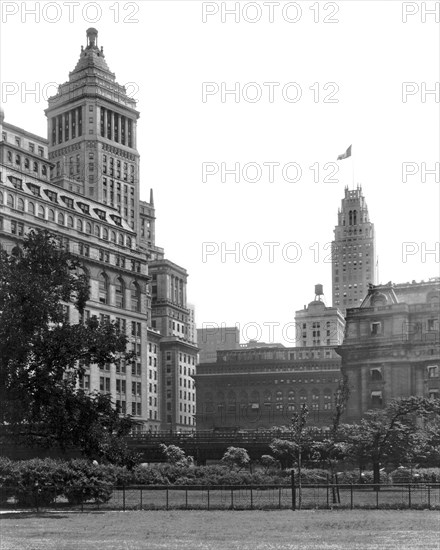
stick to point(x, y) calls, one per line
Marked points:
point(228, 497)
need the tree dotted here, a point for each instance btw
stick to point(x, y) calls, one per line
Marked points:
point(268, 462)
point(383, 435)
point(284, 450)
point(332, 449)
point(175, 455)
point(236, 457)
point(299, 420)
point(42, 355)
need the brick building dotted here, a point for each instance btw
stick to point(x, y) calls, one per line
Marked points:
point(257, 388)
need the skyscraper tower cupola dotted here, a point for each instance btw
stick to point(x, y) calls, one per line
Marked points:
point(92, 134)
point(353, 251)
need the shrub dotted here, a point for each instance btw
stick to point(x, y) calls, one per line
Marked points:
point(236, 457)
point(86, 481)
point(37, 482)
point(424, 475)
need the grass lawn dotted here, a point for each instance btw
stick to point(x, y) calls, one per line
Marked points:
point(222, 530)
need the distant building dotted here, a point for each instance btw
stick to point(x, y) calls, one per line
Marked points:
point(391, 347)
point(214, 338)
point(353, 252)
point(170, 317)
point(192, 329)
point(319, 325)
point(258, 388)
point(257, 344)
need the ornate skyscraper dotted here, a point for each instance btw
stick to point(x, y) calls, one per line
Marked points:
point(92, 135)
point(353, 251)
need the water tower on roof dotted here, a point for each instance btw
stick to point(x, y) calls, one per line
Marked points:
point(319, 292)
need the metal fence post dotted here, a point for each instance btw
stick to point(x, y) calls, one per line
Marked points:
point(252, 500)
point(293, 490)
point(186, 499)
point(409, 495)
point(429, 496)
point(351, 496)
point(167, 498)
point(208, 499)
point(279, 498)
point(232, 499)
point(123, 498)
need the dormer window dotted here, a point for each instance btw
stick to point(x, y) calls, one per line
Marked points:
point(84, 207)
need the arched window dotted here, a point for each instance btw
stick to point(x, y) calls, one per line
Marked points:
point(354, 216)
point(89, 228)
point(20, 205)
point(26, 164)
point(36, 167)
point(31, 207)
point(231, 396)
point(267, 396)
point(135, 297)
point(69, 221)
point(105, 234)
point(243, 397)
point(41, 212)
point(255, 397)
point(1, 197)
point(79, 225)
point(10, 201)
point(44, 170)
point(17, 160)
point(97, 232)
point(103, 288)
point(120, 293)
point(350, 218)
point(129, 242)
point(279, 395)
point(303, 396)
point(61, 218)
point(51, 215)
point(121, 239)
point(9, 156)
point(113, 237)
point(291, 396)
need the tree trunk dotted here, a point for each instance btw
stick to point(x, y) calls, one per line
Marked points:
point(376, 475)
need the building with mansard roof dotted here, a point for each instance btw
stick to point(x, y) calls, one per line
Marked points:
point(82, 184)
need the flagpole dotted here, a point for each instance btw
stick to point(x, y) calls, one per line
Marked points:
point(352, 167)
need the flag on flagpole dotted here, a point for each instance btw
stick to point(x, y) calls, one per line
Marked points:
point(345, 155)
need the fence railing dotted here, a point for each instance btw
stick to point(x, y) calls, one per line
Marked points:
point(227, 497)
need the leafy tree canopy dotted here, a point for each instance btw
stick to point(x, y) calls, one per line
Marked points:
point(42, 355)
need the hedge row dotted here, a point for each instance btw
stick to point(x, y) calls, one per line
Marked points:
point(81, 481)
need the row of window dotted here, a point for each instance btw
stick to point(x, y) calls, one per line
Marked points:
point(65, 220)
point(23, 163)
point(267, 396)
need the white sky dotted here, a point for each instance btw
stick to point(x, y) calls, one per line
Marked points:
point(170, 52)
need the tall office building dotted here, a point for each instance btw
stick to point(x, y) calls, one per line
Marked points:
point(354, 252)
point(82, 184)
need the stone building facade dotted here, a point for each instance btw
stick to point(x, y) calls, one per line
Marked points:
point(82, 184)
point(392, 345)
